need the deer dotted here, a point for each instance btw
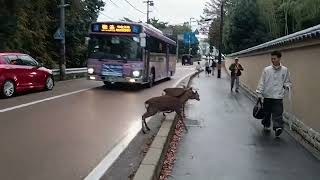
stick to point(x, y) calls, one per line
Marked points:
point(175, 92)
point(166, 104)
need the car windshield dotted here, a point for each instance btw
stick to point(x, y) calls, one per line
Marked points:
point(115, 47)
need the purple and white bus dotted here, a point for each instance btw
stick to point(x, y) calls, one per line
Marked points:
point(130, 53)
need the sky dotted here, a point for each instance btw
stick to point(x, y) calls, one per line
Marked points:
point(172, 11)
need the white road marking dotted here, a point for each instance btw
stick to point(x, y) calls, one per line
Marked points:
point(42, 100)
point(113, 155)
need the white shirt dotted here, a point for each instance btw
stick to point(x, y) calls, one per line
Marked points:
point(198, 67)
point(272, 82)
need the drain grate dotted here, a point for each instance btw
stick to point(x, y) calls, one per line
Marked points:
point(192, 122)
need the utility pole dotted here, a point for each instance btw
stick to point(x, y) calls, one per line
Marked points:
point(220, 40)
point(190, 36)
point(62, 63)
point(149, 3)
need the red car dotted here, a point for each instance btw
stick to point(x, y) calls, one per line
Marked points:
point(20, 72)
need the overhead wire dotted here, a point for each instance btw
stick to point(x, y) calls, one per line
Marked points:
point(134, 7)
point(107, 16)
point(114, 4)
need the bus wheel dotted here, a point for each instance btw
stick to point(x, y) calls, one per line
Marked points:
point(151, 80)
point(107, 83)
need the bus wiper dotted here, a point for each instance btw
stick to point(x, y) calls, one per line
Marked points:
point(123, 59)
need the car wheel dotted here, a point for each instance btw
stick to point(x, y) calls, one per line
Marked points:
point(49, 83)
point(8, 89)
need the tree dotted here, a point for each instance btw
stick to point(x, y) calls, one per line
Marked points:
point(251, 22)
point(244, 26)
point(28, 26)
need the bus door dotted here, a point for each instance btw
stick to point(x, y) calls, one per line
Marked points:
point(167, 61)
point(146, 61)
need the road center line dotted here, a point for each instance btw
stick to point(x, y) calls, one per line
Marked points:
point(113, 155)
point(42, 100)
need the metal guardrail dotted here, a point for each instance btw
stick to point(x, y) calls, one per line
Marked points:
point(70, 71)
point(313, 32)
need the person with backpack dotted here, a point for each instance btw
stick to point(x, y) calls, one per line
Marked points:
point(274, 81)
point(235, 69)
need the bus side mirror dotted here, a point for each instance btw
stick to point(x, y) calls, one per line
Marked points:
point(143, 42)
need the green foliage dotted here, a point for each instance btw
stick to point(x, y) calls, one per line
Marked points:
point(28, 26)
point(251, 22)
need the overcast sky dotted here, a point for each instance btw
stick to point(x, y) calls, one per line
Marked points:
point(172, 11)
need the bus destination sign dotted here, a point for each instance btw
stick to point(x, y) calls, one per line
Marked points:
point(115, 28)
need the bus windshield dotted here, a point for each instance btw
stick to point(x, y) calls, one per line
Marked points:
point(115, 47)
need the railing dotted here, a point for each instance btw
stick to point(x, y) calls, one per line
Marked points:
point(70, 71)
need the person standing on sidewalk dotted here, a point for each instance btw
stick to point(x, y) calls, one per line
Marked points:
point(275, 79)
point(213, 66)
point(207, 66)
point(198, 68)
point(235, 69)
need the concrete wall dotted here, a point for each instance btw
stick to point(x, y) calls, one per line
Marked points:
point(303, 61)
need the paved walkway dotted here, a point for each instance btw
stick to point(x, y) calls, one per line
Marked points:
point(229, 144)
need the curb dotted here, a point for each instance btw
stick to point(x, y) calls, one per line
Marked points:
point(151, 165)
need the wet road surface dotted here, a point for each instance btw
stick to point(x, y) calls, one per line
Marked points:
point(65, 138)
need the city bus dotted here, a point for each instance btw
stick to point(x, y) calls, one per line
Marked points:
point(126, 52)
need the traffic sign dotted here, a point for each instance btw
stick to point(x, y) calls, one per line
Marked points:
point(190, 37)
point(58, 35)
point(180, 37)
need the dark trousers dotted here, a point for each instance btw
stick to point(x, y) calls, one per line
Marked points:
point(273, 109)
point(235, 79)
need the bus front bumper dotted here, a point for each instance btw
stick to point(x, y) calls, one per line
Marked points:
point(117, 79)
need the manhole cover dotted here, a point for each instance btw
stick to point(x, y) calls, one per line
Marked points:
point(191, 122)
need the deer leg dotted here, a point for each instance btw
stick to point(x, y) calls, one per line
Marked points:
point(146, 115)
point(182, 120)
point(183, 113)
point(146, 125)
point(143, 131)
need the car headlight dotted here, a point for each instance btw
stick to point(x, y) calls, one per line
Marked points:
point(136, 73)
point(90, 70)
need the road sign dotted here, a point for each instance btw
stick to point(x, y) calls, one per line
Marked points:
point(190, 37)
point(58, 35)
point(180, 37)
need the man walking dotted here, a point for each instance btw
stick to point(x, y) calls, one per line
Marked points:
point(235, 69)
point(275, 79)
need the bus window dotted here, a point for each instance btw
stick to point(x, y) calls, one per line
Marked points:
point(172, 49)
point(115, 47)
point(156, 46)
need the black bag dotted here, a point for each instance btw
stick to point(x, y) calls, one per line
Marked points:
point(258, 111)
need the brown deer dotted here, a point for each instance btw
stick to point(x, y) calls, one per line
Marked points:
point(167, 104)
point(176, 92)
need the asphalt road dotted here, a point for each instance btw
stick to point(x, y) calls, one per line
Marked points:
point(65, 133)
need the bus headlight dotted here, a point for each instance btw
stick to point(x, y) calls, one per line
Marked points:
point(90, 70)
point(136, 73)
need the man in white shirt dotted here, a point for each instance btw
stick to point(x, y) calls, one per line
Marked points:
point(274, 81)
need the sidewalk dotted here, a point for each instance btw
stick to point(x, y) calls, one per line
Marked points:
point(229, 144)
